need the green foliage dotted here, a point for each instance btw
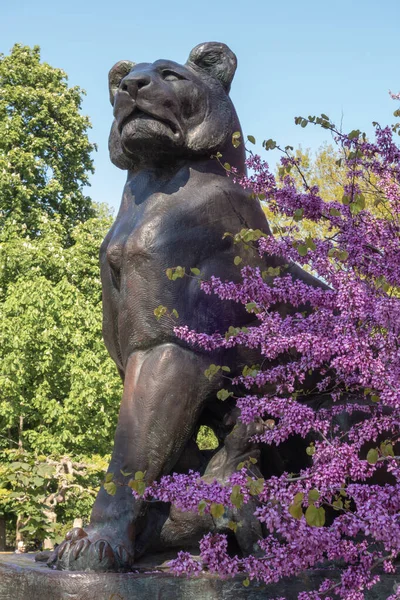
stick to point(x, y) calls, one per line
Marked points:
point(224, 394)
point(137, 484)
point(59, 390)
point(237, 497)
point(174, 273)
point(36, 488)
point(217, 510)
point(296, 509)
point(206, 439)
point(315, 516)
point(44, 148)
point(236, 139)
point(212, 371)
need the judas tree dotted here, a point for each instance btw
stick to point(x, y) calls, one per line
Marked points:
point(344, 503)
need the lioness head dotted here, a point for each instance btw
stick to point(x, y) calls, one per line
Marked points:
point(165, 111)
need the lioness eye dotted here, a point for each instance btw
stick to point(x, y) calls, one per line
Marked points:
point(170, 76)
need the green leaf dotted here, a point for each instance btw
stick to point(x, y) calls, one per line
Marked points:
point(250, 371)
point(178, 273)
point(160, 311)
point(256, 486)
point(125, 473)
point(38, 481)
point(224, 394)
point(246, 582)
point(237, 260)
point(269, 144)
point(217, 510)
point(354, 134)
point(139, 475)
point(251, 139)
point(227, 166)
point(372, 456)
point(138, 485)
point(110, 488)
point(195, 271)
point(237, 497)
point(337, 504)
point(296, 510)
point(334, 212)
point(310, 450)
point(201, 507)
point(310, 243)
point(226, 369)
point(315, 516)
point(298, 214)
point(44, 470)
point(313, 495)
point(251, 307)
point(302, 249)
point(211, 371)
point(298, 498)
point(386, 448)
point(253, 460)
point(232, 525)
point(109, 477)
point(355, 208)
point(175, 313)
point(236, 139)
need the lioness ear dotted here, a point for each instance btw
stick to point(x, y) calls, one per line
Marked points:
point(216, 59)
point(116, 75)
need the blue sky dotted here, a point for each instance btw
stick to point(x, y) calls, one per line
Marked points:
point(295, 58)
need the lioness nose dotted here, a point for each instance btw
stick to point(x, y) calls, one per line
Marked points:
point(134, 82)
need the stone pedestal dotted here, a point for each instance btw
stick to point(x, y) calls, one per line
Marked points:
point(23, 579)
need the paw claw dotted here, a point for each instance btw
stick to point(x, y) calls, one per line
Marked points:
point(76, 534)
point(79, 547)
point(104, 551)
point(61, 550)
point(123, 556)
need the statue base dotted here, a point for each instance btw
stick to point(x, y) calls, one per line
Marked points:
point(21, 578)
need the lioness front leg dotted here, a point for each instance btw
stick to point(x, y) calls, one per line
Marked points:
point(164, 393)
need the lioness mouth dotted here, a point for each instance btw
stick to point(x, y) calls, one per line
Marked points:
point(137, 113)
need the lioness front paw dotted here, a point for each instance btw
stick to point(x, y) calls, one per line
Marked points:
point(90, 551)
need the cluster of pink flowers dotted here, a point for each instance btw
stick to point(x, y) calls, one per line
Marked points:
point(345, 506)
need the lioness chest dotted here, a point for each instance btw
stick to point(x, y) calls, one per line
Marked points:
point(184, 228)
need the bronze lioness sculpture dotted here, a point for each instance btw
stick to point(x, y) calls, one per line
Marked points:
point(170, 120)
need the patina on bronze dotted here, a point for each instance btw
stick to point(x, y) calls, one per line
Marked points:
point(170, 120)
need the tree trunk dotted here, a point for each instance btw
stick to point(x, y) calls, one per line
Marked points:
point(2, 533)
point(20, 431)
point(52, 517)
point(18, 536)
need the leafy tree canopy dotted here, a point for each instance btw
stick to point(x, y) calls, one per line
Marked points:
point(55, 372)
point(44, 147)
